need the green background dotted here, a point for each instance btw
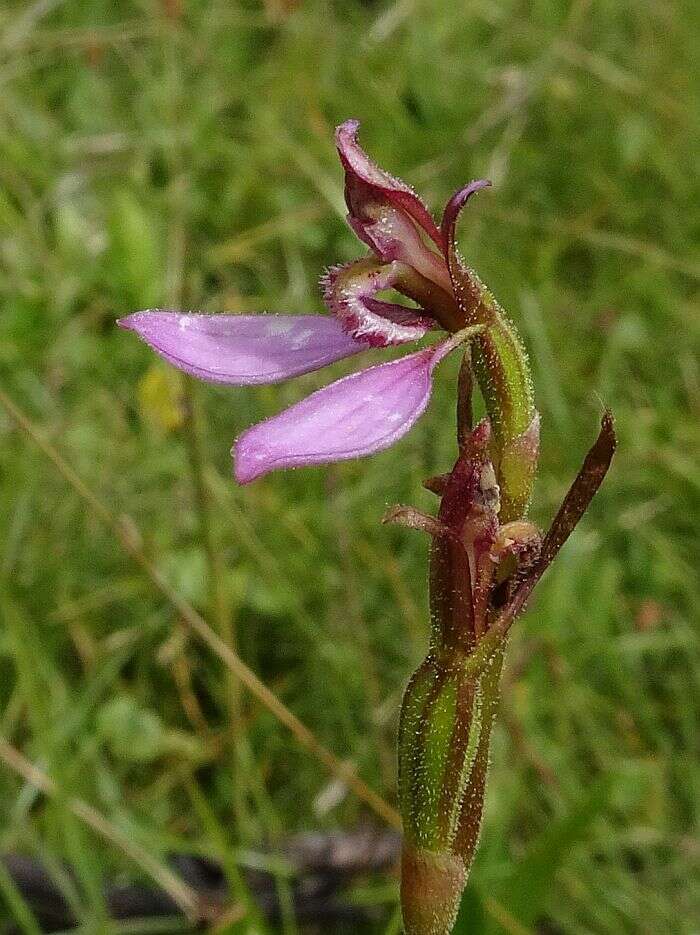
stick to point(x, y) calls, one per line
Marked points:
point(180, 154)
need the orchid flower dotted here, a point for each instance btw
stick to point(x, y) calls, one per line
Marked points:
point(372, 408)
point(485, 556)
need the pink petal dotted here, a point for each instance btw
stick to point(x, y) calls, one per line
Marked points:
point(386, 214)
point(355, 416)
point(349, 291)
point(243, 349)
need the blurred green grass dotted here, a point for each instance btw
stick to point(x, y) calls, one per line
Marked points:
point(181, 154)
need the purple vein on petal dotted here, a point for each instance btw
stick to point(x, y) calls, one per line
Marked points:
point(353, 417)
point(243, 349)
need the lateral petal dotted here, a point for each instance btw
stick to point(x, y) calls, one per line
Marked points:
point(465, 283)
point(243, 349)
point(353, 417)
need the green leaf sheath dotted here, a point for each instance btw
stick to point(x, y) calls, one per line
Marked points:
point(472, 798)
point(444, 737)
point(444, 733)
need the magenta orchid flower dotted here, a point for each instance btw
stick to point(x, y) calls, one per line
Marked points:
point(371, 409)
point(485, 555)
